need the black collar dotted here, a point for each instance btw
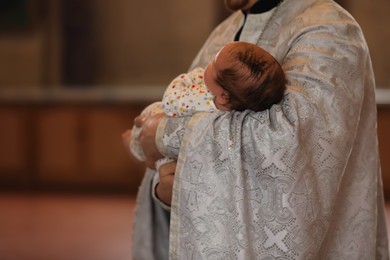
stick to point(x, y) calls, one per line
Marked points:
point(262, 6)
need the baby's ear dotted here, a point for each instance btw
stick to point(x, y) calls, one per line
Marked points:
point(225, 97)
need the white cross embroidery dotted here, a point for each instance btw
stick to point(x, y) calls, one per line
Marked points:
point(275, 159)
point(275, 239)
point(328, 150)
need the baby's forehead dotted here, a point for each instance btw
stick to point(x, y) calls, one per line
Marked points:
point(231, 55)
point(228, 54)
point(226, 60)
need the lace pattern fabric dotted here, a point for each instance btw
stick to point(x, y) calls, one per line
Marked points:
point(298, 181)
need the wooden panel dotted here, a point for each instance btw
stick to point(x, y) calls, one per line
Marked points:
point(58, 143)
point(63, 144)
point(106, 157)
point(14, 143)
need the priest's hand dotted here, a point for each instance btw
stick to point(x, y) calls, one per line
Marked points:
point(126, 137)
point(147, 138)
point(165, 187)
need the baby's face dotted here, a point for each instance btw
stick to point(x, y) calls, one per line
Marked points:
point(221, 99)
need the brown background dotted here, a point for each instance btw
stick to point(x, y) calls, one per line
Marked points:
point(49, 143)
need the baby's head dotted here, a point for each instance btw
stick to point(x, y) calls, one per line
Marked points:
point(245, 76)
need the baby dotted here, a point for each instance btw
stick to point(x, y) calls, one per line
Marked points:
point(241, 76)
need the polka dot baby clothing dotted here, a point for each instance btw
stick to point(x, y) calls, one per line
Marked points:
point(187, 94)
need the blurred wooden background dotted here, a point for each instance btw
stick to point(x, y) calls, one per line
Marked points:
point(102, 49)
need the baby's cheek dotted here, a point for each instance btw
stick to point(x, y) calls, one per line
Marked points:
point(217, 104)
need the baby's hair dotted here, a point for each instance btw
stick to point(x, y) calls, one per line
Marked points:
point(260, 86)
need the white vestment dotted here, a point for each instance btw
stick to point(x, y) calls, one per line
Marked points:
point(301, 180)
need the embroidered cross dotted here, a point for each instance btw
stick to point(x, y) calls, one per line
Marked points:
point(275, 239)
point(328, 150)
point(275, 159)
